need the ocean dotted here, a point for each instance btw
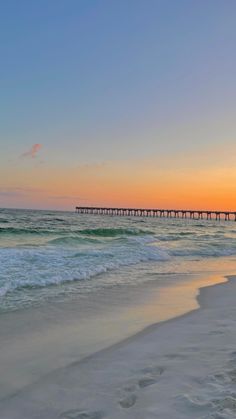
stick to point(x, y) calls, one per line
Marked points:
point(53, 256)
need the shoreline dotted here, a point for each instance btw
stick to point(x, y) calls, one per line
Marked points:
point(36, 342)
point(34, 399)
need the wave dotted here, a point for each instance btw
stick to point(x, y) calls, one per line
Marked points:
point(4, 290)
point(17, 231)
point(99, 232)
point(98, 238)
point(174, 236)
point(32, 268)
point(72, 240)
point(113, 232)
point(204, 252)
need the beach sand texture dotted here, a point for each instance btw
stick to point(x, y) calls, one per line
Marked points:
point(181, 368)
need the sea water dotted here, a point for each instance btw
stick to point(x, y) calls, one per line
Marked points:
point(48, 255)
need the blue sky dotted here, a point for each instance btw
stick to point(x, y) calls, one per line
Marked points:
point(115, 80)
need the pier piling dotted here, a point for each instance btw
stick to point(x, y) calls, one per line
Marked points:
point(160, 213)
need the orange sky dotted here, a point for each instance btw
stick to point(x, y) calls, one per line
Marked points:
point(175, 181)
point(120, 103)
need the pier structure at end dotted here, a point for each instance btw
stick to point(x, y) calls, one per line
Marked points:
point(157, 212)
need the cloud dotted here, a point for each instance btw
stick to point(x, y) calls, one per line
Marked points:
point(11, 192)
point(32, 153)
point(17, 192)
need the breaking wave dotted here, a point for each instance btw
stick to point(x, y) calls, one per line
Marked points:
point(37, 268)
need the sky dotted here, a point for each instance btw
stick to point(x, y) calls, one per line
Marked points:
point(119, 103)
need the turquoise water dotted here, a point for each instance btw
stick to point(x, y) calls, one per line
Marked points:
point(58, 254)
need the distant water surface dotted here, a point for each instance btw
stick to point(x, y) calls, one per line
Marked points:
point(47, 254)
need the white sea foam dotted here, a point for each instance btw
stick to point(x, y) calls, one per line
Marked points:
point(40, 267)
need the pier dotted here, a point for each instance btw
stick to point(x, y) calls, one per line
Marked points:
point(167, 213)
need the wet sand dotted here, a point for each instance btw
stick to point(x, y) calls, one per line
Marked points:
point(180, 368)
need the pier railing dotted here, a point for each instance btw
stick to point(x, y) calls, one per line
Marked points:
point(167, 213)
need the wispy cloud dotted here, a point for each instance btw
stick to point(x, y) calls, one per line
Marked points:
point(12, 192)
point(33, 151)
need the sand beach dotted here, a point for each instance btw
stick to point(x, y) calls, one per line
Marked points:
point(179, 368)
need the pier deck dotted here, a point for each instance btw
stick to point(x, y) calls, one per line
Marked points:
point(167, 213)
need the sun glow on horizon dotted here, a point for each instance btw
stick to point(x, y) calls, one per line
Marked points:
point(118, 104)
point(154, 183)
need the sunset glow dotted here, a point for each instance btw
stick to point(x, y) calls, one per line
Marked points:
point(119, 105)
